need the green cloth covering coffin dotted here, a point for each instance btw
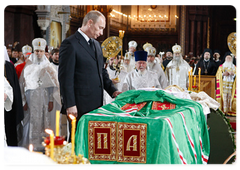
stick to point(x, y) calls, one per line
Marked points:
point(151, 127)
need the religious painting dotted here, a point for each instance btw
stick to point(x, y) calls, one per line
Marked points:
point(55, 34)
point(102, 140)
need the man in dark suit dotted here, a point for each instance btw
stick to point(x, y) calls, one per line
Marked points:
point(206, 63)
point(169, 56)
point(82, 76)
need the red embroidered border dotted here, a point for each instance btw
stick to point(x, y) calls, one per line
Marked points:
point(162, 106)
point(133, 105)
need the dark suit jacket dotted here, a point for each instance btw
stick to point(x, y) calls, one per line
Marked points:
point(211, 68)
point(165, 63)
point(13, 118)
point(82, 76)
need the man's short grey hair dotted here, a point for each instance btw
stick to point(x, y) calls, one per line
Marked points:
point(93, 15)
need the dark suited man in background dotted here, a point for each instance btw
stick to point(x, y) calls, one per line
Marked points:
point(206, 63)
point(82, 76)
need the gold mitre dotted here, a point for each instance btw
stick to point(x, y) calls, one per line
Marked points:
point(232, 42)
point(176, 48)
point(146, 45)
point(111, 46)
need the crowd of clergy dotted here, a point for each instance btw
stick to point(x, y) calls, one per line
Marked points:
point(31, 87)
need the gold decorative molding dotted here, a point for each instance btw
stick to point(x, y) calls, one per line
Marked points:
point(183, 28)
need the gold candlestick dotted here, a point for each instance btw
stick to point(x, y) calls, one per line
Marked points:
point(121, 35)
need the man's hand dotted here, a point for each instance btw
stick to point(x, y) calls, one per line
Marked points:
point(226, 73)
point(50, 106)
point(72, 110)
point(116, 93)
point(5, 97)
point(231, 73)
point(25, 107)
point(115, 81)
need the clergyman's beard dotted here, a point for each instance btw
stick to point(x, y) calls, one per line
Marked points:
point(141, 70)
point(39, 59)
point(228, 64)
point(177, 58)
point(3, 61)
point(126, 65)
point(150, 64)
point(36, 59)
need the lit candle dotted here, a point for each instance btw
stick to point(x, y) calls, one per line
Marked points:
point(165, 19)
point(199, 78)
point(194, 80)
point(189, 80)
point(73, 132)
point(31, 148)
point(57, 122)
point(50, 132)
point(175, 20)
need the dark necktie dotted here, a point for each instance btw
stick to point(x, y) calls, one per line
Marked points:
point(91, 44)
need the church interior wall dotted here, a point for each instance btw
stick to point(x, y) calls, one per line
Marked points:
point(206, 26)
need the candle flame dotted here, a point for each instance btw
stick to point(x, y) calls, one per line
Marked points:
point(71, 116)
point(31, 148)
point(48, 131)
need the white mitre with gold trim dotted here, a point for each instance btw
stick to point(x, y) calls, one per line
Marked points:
point(151, 51)
point(132, 44)
point(176, 48)
point(128, 56)
point(39, 44)
point(26, 49)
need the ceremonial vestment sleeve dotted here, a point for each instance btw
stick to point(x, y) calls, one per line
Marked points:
point(162, 79)
point(9, 92)
point(126, 83)
point(107, 82)
point(50, 93)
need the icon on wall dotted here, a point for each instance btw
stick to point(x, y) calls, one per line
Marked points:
point(55, 34)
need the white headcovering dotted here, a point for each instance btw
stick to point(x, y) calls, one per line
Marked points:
point(128, 56)
point(39, 44)
point(132, 44)
point(26, 49)
point(151, 51)
point(6, 57)
point(176, 48)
